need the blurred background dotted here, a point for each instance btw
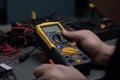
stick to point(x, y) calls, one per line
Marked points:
point(12, 10)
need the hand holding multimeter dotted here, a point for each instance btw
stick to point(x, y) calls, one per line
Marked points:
point(62, 50)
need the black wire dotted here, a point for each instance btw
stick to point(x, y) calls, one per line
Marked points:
point(24, 57)
point(7, 75)
point(30, 39)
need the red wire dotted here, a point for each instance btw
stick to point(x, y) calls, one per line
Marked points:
point(14, 51)
point(9, 57)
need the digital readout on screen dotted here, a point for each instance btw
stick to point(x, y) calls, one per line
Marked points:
point(51, 28)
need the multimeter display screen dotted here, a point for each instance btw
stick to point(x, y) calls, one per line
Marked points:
point(51, 28)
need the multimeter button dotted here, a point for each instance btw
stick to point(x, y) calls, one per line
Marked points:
point(69, 51)
point(71, 60)
point(48, 34)
point(58, 46)
point(80, 54)
point(78, 60)
point(84, 58)
point(73, 44)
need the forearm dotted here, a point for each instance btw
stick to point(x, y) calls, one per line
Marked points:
point(104, 54)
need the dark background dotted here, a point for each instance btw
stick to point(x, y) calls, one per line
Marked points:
point(3, 9)
point(12, 10)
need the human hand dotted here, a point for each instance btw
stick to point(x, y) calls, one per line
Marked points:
point(99, 51)
point(57, 72)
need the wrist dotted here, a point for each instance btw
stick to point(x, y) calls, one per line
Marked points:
point(104, 54)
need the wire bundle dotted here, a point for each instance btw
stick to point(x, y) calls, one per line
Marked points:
point(14, 41)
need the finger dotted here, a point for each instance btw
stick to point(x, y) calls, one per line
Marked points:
point(76, 36)
point(50, 74)
point(70, 34)
point(39, 71)
point(42, 78)
point(62, 67)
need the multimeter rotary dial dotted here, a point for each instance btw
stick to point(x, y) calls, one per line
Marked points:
point(59, 38)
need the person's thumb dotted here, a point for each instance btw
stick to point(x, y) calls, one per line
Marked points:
point(70, 34)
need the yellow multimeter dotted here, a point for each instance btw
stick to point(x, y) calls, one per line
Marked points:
point(62, 50)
